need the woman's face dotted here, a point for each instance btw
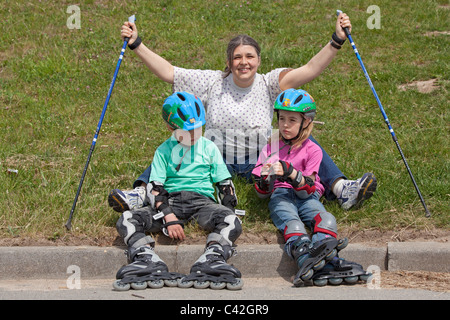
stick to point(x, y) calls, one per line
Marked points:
point(244, 65)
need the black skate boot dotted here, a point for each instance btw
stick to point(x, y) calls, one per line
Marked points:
point(338, 271)
point(145, 269)
point(311, 257)
point(211, 270)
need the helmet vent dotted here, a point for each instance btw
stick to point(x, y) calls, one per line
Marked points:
point(181, 114)
point(182, 97)
point(198, 108)
point(299, 98)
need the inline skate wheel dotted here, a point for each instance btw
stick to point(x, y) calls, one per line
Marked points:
point(331, 255)
point(308, 275)
point(335, 281)
point(184, 284)
point(320, 282)
point(141, 285)
point(342, 244)
point(171, 283)
point(319, 265)
point(201, 284)
point(119, 286)
point(155, 284)
point(217, 285)
point(351, 280)
point(365, 277)
point(236, 285)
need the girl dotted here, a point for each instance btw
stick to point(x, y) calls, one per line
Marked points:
point(287, 173)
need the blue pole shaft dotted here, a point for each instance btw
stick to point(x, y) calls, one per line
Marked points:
point(394, 137)
point(97, 131)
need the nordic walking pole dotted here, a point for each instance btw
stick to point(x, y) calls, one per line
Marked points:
point(394, 137)
point(91, 150)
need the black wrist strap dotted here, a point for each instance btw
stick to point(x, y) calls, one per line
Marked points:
point(173, 223)
point(334, 45)
point(135, 44)
point(336, 39)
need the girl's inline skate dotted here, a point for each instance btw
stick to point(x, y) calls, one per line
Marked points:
point(339, 271)
point(311, 257)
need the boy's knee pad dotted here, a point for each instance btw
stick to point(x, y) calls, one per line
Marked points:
point(325, 222)
point(294, 228)
point(226, 235)
point(131, 226)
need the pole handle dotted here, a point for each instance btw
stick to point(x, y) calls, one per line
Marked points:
point(130, 19)
point(347, 32)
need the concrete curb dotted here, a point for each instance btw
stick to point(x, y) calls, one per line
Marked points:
point(416, 256)
point(261, 261)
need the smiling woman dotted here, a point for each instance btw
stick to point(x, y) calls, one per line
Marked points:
point(243, 58)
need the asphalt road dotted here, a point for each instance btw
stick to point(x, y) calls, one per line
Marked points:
point(260, 290)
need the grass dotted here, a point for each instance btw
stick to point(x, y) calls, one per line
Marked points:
point(54, 80)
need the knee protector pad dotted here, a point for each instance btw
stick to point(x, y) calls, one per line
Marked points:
point(325, 222)
point(131, 226)
point(294, 228)
point(229, 234)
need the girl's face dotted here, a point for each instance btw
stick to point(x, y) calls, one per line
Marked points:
point(244, 65)
point(289, 123)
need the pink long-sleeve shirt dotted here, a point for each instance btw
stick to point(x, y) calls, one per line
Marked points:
point(306, 159)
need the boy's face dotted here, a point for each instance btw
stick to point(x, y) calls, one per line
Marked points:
point(188, 138)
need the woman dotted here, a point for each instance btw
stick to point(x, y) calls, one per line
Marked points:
point(239, 104)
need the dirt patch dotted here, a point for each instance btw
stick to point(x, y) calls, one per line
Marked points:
point(434, 281)
point(421, 86)
point(436, 33)
point(381, 238)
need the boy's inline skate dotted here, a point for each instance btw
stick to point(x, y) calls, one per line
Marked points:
point(311, 257)
point(338, 271)
point(211, 270)
point(145, 269)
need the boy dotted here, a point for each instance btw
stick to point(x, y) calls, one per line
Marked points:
point(184, 169)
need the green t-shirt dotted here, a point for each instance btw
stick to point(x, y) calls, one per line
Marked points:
point(201, 166)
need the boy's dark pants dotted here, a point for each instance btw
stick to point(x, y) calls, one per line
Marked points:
point(224, 226)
